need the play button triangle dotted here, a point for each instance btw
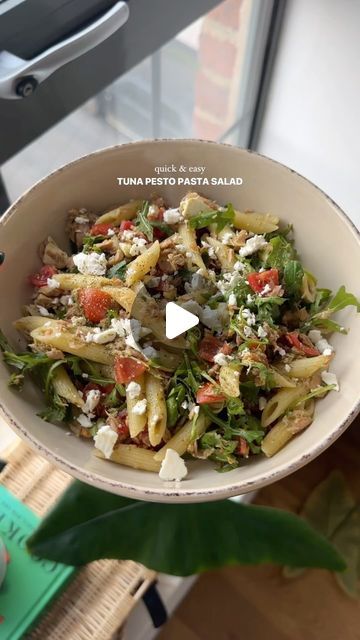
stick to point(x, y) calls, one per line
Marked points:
point(178, 320)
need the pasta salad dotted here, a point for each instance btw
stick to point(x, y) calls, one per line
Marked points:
point(243, 382)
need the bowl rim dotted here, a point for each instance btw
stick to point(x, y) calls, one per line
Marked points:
point(174, 490)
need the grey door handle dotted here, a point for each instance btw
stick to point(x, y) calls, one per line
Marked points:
point(19, 78)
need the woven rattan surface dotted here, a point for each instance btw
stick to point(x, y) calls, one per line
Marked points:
point(98, 600)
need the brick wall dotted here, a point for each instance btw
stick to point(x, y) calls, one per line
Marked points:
point(220, 55)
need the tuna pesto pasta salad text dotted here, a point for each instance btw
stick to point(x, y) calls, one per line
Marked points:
point(241, 383)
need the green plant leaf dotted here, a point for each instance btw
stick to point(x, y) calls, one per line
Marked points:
point(179, 539)
point(218, 217)
point(117, 270)
point(281, 251)
point(142, 222)
point(332, 511)
point(293, 275)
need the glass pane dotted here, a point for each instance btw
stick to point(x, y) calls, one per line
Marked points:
point(197, 85)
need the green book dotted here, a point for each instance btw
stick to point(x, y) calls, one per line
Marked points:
point(30, 583)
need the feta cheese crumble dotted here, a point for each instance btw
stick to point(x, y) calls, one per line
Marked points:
point(232, 300)
point(221, 358)
point(105, 440)
point(194, 411)
point(92, 400)
point(84, 420)
point(227, 237)
point(101, 337)
point(140, 407)
point(262, 333)
point(133, 390)
point(93, 264)
point(239, 266)
point(330, 378)
point(252, 245)
point(320, 343)
point(172, 467)
point(52, 283)
point(138, 246)
point(249, 316)
point(172, 216)
point(42, 310)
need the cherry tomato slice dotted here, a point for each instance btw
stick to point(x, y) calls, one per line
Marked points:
point(257, 281)
point(127, 369)
point(40, 279)
point(208, 394)
point(95, 303)
point(101, 229)
point(294, 340)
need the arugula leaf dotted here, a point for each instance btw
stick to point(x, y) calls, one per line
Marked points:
point(222, 449)
point(293, 275)
point(56, 411)
point(235, 407)
point(112, 399)
point(206, 218)
point(90, 242)
point(326, 326)
point(324, 306)
point(26, 361)
point(162, 226)
point(314, 393)
point(281, 252)
point(142, 222)
point(321, 298)
point(343, 299)
point(117, 270)
point(193, 337)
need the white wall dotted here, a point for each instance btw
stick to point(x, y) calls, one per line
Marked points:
point(312, 117)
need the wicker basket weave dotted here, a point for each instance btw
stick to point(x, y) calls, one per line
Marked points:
point(101, 596)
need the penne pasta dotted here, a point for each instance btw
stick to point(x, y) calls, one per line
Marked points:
point(70, 281)
point(139, 267)
point(156, 409)
point(28, 323)
point(286, 428)
point(65, 388)
point(59, 337)
point(277, 405)
point(126, 211)
point(132, 456)
point(279, 380)
point(122, 295)
point(137, 422)
point(308, 287)
point(184, 436)
point(306, 367)
point(256, 222)
point(188, 237)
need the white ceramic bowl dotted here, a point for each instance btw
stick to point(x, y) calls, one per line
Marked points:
point(329, 246)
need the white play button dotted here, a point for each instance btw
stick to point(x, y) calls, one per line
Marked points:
point(178, 320)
